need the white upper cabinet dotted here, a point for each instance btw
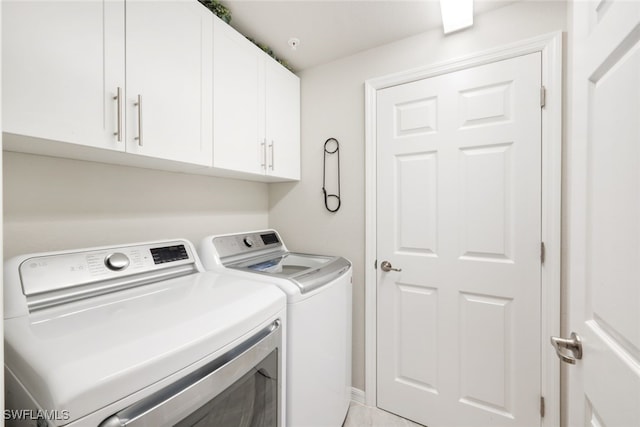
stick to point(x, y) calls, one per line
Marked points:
point(238, 102)
point(168, 110)
point(158, 84)
point(62, 63)
point(64, 74)
point(282, 100)
point(256, 122)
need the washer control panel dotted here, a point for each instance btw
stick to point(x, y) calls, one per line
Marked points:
point(240, 244)
point(47, 273)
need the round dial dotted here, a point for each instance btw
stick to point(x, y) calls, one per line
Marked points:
point(116, 261)
point(248, 241)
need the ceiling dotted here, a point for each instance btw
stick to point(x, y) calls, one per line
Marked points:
point(332, 29)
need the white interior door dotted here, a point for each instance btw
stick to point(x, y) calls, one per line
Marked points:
point(459, 212)
point(604, 214)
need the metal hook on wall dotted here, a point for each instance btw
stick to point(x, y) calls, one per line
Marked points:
point(328, 152)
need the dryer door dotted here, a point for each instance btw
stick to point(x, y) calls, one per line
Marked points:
point(242, 388)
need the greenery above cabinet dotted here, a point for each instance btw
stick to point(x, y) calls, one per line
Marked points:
point(223, 12)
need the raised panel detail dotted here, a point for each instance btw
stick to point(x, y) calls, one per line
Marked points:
point(486, 353)
point(592, 418)
point(486, 203)
point(416, 117)
point(416, 204)
point(486, 105)
point(601, 9)
point(416, 333)
point(614, 200)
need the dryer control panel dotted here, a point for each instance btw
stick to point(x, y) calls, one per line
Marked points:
point(50, 278)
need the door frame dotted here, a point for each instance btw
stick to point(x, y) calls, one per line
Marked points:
point(550, 46)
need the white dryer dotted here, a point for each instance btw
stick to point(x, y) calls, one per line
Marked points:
point(319, 293)
point(140, 334)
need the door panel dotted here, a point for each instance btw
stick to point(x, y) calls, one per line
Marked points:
point(63, 62)
point(485, 320)
point(169, 55)
point(282, 112)
point(604, 220)
point(486, 198)
point(417, 336)
point(417, 205)
point(238, 81)
point(459, 202)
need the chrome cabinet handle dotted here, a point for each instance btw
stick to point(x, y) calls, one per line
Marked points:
point(386, 266)
point(139, 105)
point(573, 344)
point(118, 99)
point(273, 161)
point(263, 144)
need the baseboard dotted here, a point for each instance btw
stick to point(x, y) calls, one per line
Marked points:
point(357, 395)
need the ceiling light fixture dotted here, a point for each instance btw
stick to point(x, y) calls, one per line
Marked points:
point(456, 14)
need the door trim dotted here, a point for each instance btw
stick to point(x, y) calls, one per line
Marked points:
point(550, 46)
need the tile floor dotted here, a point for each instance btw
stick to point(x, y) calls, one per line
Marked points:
point(365, 416)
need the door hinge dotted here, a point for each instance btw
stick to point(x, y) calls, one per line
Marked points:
point(543, 96)
point(542, 406)
point(542, 252)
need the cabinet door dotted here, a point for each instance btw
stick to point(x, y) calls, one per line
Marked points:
point(238, 102)
point(62, 63)
point(282, 121)
point(169, 80)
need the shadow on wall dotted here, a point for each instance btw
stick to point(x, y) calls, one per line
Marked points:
point(52, 203)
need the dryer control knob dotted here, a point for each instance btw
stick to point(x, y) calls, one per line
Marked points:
point(248, 242)
point(116, 261)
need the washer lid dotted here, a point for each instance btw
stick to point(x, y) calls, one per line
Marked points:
point(89, 354)
point(308, 272)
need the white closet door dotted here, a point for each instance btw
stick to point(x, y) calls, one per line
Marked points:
point(459, 212)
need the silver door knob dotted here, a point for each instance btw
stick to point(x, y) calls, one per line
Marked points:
point(386, 266)
point(573, 344)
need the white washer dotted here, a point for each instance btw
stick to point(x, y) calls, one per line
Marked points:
point(140, 335)
point(319, 293)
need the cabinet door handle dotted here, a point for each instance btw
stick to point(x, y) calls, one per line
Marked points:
point(139, 105)
point(118, 99)
point(273, 161)
point(263, 144)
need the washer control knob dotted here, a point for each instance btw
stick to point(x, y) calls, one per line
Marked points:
point(116, 261)
point(248, 242)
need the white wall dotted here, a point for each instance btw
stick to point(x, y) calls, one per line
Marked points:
point(333, 106)
point(52, 204)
